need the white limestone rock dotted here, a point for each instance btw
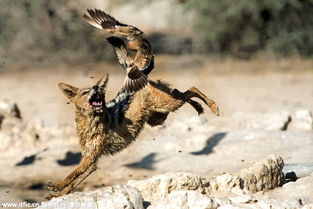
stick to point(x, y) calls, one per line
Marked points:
point(112, 197)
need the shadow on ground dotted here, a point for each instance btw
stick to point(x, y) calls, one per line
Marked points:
point(210, 144)
point(27, 160)
point(146, 162)
point(70, 159)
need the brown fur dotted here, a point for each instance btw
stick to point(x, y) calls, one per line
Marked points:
point(101, 133)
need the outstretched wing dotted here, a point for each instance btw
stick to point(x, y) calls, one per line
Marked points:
point(101, 20)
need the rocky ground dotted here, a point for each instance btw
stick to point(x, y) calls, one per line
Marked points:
point(196, 151)
point(253, 187)
point(190, 162)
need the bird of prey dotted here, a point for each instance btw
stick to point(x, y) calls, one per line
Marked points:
point(126, 37)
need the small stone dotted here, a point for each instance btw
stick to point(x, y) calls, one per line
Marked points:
point(302, 120)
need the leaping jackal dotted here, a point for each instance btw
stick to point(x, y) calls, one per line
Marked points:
point(107, 128)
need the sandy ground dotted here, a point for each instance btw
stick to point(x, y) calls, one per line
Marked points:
point(257, 86)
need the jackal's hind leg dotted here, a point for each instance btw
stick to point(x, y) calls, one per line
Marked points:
point(169, 102)
point(196, 105)
point(157, 118)
point(194, 92)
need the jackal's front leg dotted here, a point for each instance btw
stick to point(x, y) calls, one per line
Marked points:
point(84, 169)
point(67, 189)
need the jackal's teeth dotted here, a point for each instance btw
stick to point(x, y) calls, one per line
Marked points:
point(96, 104)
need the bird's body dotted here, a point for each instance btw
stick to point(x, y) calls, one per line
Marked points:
point(126, 37)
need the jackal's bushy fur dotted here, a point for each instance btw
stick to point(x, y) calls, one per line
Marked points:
point(107, 128)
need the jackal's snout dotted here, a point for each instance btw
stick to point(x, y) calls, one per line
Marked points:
point(88, 99)
point(96, 98)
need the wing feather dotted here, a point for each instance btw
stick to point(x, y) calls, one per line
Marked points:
point(121, 52)
point(101, 20)
point(135, 80)
point(141, 65)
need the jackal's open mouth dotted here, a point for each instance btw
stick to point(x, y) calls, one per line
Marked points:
point(96, 102)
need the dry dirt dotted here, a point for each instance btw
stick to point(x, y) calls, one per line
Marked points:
point(260, 85)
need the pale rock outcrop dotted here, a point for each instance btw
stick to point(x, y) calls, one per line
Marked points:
point(159, 187)
point(302, 119)
point(10, 115)
point(185, 200)
point(9, 109)
point(261, 176)
point(246, 189)
point(112, 197)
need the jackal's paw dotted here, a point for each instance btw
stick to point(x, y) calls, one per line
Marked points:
point(214, 108)
point(50, 196)
point(52, 187)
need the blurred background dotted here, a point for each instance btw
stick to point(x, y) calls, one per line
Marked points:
point(52, 31)
point(254, 58)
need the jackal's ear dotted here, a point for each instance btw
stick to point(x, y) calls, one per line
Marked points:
point(103, 82)
point(68, 90)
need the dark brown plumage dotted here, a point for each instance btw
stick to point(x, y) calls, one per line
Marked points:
point(141, 65)
point(101, 20)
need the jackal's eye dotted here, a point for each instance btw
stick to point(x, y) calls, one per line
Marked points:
point(85, 92)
